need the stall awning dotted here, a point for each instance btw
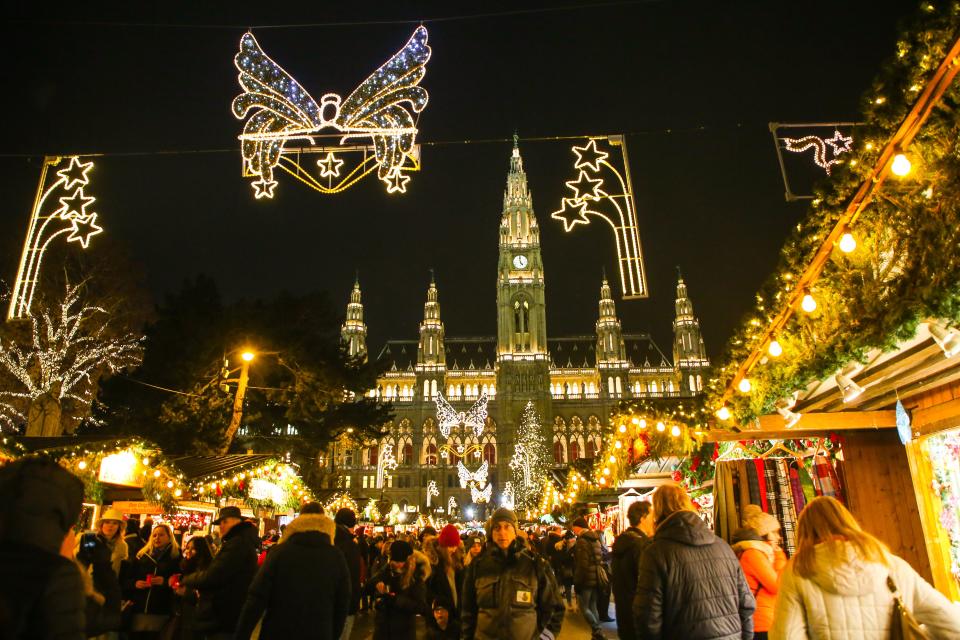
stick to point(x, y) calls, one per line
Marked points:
point(201, 466)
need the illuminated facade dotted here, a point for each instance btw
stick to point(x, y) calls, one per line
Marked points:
point(574, 382)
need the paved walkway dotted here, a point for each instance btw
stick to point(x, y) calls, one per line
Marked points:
point(574, 627)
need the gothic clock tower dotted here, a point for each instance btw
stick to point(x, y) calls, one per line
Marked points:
point(523, 363)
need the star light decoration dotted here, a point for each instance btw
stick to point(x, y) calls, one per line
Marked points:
point(592, 197)
point(381, 110)
point(386, 463)
point(839, 144)
point(432, 491)
point(72, 218)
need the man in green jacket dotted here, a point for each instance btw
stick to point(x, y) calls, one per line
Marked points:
point(508, 593)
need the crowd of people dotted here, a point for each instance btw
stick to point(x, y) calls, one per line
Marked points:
point(668, 574)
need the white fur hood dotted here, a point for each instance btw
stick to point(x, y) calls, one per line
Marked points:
point(310, 522)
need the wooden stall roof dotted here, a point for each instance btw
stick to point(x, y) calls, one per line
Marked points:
point(201, 466)
point(910, 373)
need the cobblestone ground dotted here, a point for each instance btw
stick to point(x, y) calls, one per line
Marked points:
point(574, 627)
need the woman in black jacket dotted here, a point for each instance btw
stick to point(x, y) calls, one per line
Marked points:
point(690, 583)
point(147, 582)
point(401, 593)
point(197, 556)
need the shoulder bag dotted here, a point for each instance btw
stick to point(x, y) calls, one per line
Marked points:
point(903, 626)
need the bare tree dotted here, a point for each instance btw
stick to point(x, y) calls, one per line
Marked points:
point(50, 366)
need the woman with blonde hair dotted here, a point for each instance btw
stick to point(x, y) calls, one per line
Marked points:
point(148, 584)
point(836, 584)
point(689, 583)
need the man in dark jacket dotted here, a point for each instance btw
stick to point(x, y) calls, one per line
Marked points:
point(508, 593)
point(223, 585)
point(587, 561)
point(400, 592)
point(303, 585)
point(346, 521)
point(627, 551)
point(690, 582)
point(42, 591)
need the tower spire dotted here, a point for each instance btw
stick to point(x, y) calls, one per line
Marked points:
point(353, 333)
point(689, 353)
point(431, 353)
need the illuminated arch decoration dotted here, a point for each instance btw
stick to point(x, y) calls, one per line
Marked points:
point(592, 197)
point(278, 110)
point(68, 214)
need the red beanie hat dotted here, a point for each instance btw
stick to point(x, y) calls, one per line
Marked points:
point(449, 537)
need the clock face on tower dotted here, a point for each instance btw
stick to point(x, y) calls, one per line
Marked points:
point(520, 261)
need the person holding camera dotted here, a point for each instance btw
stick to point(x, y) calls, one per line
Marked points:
point(101, 584)
point(148, 583)
point(110, 532)
point(401, 593)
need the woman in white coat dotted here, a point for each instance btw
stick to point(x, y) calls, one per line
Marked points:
point(835, 586)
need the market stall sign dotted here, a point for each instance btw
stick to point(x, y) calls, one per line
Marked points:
point(137, 507)
point(122, 468)
point(265, 490)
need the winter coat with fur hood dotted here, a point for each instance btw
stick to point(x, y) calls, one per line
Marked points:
point(406, 597)
point(303, 588)
point(848, 598)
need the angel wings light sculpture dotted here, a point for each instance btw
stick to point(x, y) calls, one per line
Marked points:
point(471, 478)
point(278, 109)
point(448, 417)
point(481, 495)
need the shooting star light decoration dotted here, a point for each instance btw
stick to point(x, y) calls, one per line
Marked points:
point(278, 110)
point(73, 217)
point(448, 417)
point(839, 144)
point(592, 197)
point(386, 463)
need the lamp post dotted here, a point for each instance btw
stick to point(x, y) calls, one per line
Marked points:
point(245, 358)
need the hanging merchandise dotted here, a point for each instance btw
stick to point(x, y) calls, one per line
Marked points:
point(70, 214)
point(615, 204)
point(278, 110)
point(775, 478)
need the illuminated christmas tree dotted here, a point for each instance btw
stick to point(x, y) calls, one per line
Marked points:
point(529, 459)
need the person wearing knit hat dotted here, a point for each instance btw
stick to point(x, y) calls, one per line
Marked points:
point(400, 592)
point(449, 537)
point(508, 592)
point(757, 545)
point(446, 575)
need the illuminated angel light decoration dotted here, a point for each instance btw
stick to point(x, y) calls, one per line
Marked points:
point(507, 499)
point(279, 110)
point(481, 495)
point(474, 478)
point(68, 214)
point(591, 196)
point(839, 144)
point(432, 491)
point(475, 416)
point(386, 463)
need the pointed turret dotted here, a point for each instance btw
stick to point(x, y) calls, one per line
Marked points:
point(689, 354)
point(431, 354)
point(354, 331)
point(518, 225)
point(610, 346)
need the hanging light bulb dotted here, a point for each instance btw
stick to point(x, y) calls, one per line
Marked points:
point(774, 349)
point(723, 413)
point(661, 427)
point(675, 431)
point(901, 165)
point(947, 337)
point(847, 243)
point(643, 424)
point(808, 303)
point(618, 445)
point(82, 465)
point(744, 385)
point(848, 387)
point(623, 428)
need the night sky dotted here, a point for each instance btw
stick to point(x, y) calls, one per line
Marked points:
point(695, 83)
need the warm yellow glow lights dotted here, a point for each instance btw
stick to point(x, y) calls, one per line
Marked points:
point(901, 165)
point(661, 427)
point(838, 144)
point(623, 428)
point(47, 223)
point(744, 385)
point(675, 431)
point(847, 243)
point(82, 465)
point(808, 304)
point(774, 349)
point(723, 413)
point(620, 212)
point(618, 444)
point(247, 356)
point(277, 110)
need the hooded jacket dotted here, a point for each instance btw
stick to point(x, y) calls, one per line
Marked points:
point(223, 585)
point(303, 585)
point(406, 597)
point(848, 598)
point(348, 545)
point(510, 595)
point(587, 558)
point(762, 565)
point(627, 550)
point(690, 585)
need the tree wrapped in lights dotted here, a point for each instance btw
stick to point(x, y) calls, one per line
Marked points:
point(50, 369)
point(529, 462)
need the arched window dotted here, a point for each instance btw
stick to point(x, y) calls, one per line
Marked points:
point(558, 452)
point(574, 450)
point(591, 452)
point(374, 455)
point(521, 324)
point(450, 391)
point(619, 385)
point(670, 387)
point(699, 383)
point(610, 386)
point(426, 389)
point(490, 453)
point(693, 383)
point(433, 388)
point(406, 454)
point(485, 389)
point(653, 386)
